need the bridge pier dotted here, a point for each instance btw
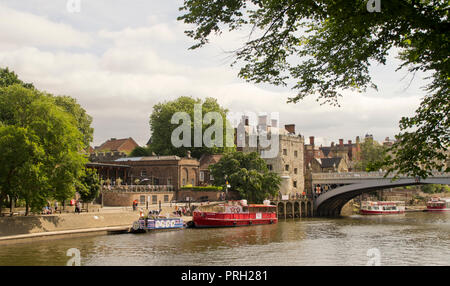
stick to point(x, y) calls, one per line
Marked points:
point(294, 208)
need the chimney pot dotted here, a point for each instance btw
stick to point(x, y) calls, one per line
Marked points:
point(341, 142)
point(311, 140)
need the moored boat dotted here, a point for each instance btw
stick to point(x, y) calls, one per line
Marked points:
point(157, 223)
point(437, 204)
point(235, 213)
point(381, 208)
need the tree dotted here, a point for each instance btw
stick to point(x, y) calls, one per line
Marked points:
point(323, 47)
point(433, 189)
point(8, 78)
point(19, 170)
point(53, 163)
point(141, 152)
point(162, 128)
point(83, 120)
point(248, 174)
point(372, 155)
point(89, 186)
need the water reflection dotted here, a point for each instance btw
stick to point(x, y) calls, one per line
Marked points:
point(410, 239)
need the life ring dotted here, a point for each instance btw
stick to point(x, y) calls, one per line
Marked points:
point(136, 225)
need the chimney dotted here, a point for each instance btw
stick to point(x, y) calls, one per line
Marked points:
point(274, 123)
point(113, 139)
point(290, 128)
point(311, 140)
point(341, 142)
point(357, 140)
point(349, 142)
point(332, 144)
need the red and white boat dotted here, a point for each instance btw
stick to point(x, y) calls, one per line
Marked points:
point(235, 213)
point(381, 208)
point(437, 204)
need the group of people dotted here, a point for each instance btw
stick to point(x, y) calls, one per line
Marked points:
point(49, 210)
point(182, 211)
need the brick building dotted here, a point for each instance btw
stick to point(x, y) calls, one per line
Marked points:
point(206, 160)
point(125, 145)
point(162, 170)
point(350, 152)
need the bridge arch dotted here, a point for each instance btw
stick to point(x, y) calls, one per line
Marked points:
point(331, 202)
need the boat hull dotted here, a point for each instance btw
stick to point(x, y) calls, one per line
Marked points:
point(430, 209)
point(205, 220)
point(158, 224)
point(367, 212)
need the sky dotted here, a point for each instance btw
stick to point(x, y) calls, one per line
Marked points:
point(119, 58)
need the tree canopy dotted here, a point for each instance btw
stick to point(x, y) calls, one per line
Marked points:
point(372, 155)
point(324, 47)
point(162, 128)
point(248, 174)
point(41, 145)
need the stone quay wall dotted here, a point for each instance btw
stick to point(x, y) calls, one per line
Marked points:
point(48, 223)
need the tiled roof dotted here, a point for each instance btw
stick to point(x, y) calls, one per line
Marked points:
point(149, 158)
point(114, 144)
point(329, 162)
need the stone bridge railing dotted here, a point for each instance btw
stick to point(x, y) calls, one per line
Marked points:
point(364, 175)
point(138, 188)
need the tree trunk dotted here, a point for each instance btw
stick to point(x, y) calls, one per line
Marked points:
point(11, 206)
point(2, 199)
point(27, 208)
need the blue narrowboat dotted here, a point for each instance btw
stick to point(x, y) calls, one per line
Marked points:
point(157, 223)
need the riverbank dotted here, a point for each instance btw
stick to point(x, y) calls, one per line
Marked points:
point(19, 229)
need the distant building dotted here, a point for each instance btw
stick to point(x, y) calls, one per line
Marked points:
point(125, 145)
point(162, 170)
point(206, 160)
point(350, 152)
point(388, 142)
point(329, 165)
point(288, 163)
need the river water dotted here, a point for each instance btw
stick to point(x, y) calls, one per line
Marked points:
point(409, 239)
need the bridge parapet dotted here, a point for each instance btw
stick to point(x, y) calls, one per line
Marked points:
point(364, 175)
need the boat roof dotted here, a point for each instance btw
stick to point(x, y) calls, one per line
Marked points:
point(385, 202)
point(261, 206)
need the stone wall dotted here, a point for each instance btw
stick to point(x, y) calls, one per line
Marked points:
point(125, 199)
point(205, 195)
point(46, 223)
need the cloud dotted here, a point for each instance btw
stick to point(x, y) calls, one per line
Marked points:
point(25, 29)
point(121, 72)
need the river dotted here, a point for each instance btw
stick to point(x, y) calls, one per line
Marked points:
point(409, 239)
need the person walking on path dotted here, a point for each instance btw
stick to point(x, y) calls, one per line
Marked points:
point(77, 207)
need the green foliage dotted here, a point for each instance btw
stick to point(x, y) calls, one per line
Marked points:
point(322, 48)
point(89, 187)
point(248, 174)
point(40, 147)
point(162, 128)
point(202, 188)
point(433, 189)
point(83, 120)
point(372, 156)
point(8, 78)
point(141, 152)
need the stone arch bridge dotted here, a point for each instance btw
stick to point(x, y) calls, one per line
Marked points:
point(342, 187)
